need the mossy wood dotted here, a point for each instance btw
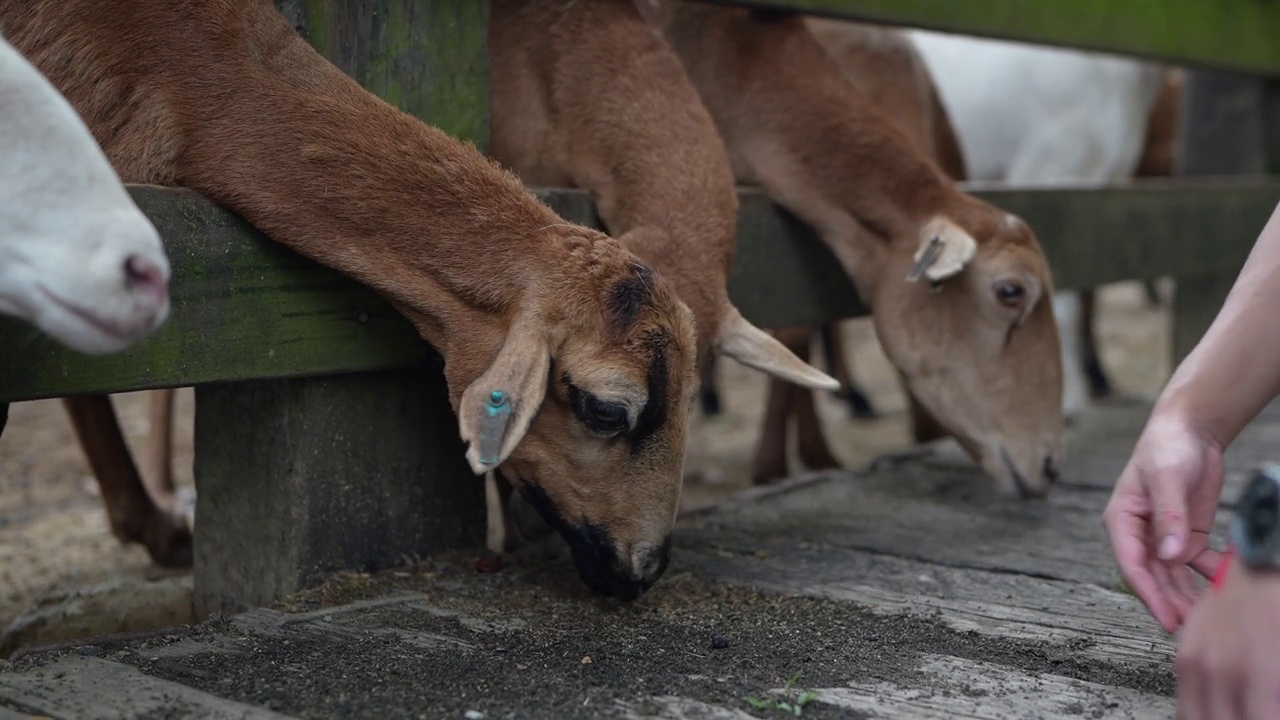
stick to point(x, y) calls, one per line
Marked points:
point(247, 308)
point(1227, 34)
point(1224, 131)
point(299, 477)
point(429, 59)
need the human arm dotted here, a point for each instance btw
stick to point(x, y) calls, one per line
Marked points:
point(1162, 509)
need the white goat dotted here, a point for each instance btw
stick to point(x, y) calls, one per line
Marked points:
point(78, 259)
point(1031, 115)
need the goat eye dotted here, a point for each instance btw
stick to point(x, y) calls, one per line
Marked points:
point(1011, 294)
point(604, 416)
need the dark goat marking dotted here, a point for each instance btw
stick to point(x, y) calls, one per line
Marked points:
point(629, 296)
point(658, 377)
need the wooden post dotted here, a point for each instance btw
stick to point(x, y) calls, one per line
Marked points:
point(1223, 132)
point(297, 478)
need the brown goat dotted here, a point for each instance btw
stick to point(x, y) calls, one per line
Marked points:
point(887, 69)
point(586, 95)
point(976, 341)
point(591, 349)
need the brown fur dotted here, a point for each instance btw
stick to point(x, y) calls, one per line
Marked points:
point(1160, 149)
point(225, 98)
point(793, 124)
point(887, 69)
point(584, 94)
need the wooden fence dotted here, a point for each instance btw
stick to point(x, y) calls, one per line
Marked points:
point(305, 378)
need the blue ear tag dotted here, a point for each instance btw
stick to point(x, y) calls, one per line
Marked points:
point(493, 427)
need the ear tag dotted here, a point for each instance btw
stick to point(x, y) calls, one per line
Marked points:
point(493, 427)
point(927, 258)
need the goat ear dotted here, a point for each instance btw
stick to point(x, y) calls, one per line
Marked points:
point(496, 409)
point(756, 348)
point(943, 252)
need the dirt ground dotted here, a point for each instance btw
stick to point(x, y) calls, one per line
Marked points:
point(59, 564)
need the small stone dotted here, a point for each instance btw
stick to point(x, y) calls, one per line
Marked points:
point(473, 715)
point(719, 642)
point(91, 651)
point(586, 659)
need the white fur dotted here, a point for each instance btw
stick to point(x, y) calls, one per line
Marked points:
point(67, 224)
point(1031, 115)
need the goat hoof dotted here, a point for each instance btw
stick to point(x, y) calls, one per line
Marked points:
point(167, 539)
point(1099, 384)
point(861, 404)
point(711, 404)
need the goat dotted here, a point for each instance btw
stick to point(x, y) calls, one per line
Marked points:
point(81, 262)
point(888, 71)
point(886, 66)
point(974, 343)
point(586, 95)
point(1030, 115)
point(588, 348)
point(78, 259)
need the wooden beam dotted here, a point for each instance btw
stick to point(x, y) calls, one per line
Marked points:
point(1226, 34)
point(247, 308)
point(1224, 131)
point(429, 59)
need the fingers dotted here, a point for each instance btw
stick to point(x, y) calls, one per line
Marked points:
point(1177, 588)
point(1126, 525)
point(1262, 699)
point(1206, 563)
point(1169, 516)
point(1131, 556)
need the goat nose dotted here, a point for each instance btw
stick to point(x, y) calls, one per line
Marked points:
point(1050, 470)
point(146, 276)
point(653, 561)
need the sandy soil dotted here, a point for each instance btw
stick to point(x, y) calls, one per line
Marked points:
point(55, 544)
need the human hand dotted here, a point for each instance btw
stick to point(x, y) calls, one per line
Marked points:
point(1227, 664)
point(1161, 512)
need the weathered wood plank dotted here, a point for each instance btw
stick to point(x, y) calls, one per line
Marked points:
point(83, 688)
point(1222, 132)
point(247, 308)
point(1230, 34)
point(946, 517)
point(7, 714)
point(243, 308)
point(952, 688)
point(332, 473)
point(1105, 623)
point(962, 688)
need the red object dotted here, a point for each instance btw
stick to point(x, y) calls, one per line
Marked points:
point(1220, 576)
point(488, 563)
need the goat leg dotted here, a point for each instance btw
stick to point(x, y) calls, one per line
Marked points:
point(708, 393)
point(132, 512)
point(770, 462)
point(924, 428)
point(158, 457)
point(838, 367)
point(1099, 383)
point(811, 443)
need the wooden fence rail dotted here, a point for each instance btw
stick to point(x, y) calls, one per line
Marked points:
point(247, 308)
